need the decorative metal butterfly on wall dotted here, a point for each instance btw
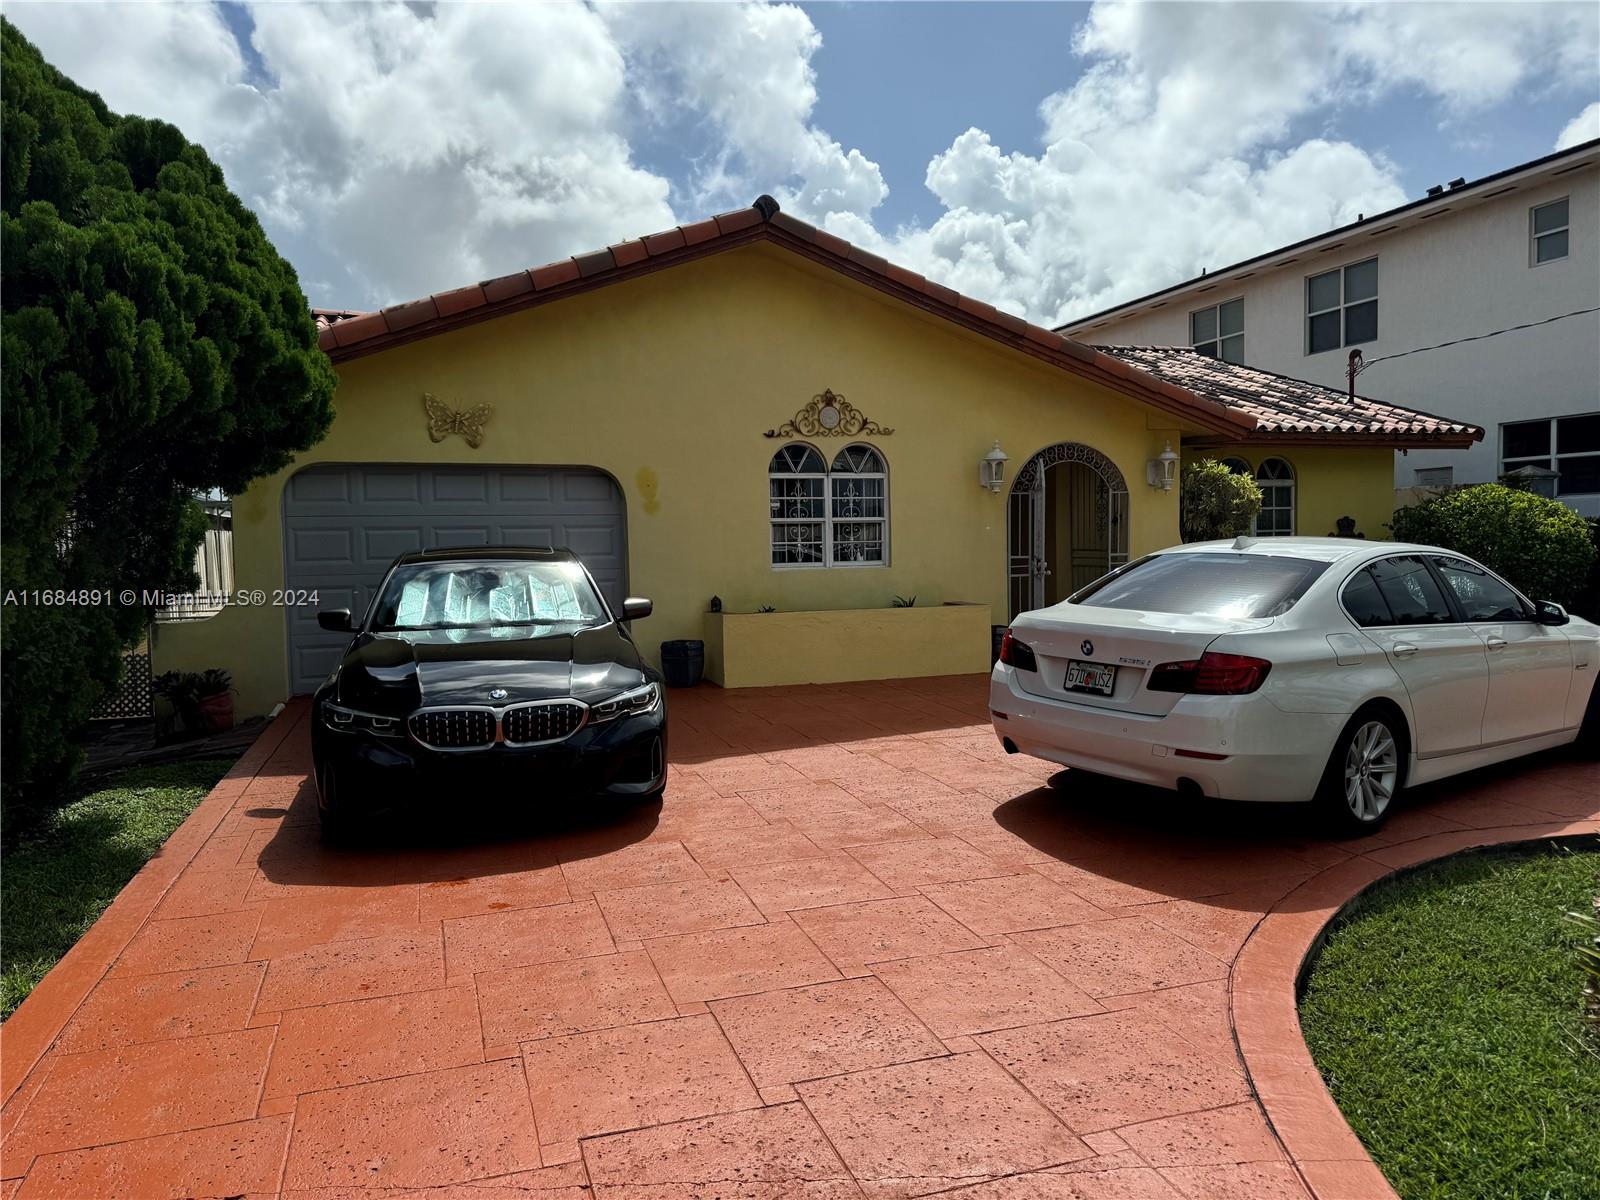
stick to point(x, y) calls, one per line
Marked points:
point(444, 420)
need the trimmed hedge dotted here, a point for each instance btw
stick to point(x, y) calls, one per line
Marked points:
point(1540, 546)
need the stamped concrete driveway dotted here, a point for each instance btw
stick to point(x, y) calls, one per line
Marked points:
point(857, 950)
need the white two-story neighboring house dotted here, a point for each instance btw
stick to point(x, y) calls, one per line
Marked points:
point(1467, 260)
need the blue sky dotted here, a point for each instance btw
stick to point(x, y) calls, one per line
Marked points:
point(903, 79)
point(1051, 158)
point(906, 78)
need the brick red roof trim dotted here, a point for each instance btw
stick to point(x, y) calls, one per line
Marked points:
point(346, 335)
point(328, 317)
point(1229, 401)
point(1293, 409)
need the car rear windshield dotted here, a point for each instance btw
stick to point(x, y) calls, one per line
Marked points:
point(1207, 584)
point(486, 594)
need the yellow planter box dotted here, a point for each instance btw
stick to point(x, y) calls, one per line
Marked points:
point(837, 646)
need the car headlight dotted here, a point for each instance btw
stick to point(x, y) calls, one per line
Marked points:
point(629, 704)
point(352, 720)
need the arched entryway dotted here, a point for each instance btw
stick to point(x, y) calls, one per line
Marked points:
point(1066, 524)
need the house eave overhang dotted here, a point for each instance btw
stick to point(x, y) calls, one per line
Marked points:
point(402, 324)
point(1359, 437)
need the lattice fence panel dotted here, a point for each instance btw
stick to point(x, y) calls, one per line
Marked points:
point(131, 700)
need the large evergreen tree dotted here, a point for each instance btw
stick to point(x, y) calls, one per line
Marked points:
point(155, 346)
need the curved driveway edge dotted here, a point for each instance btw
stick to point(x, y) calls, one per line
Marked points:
point(1263, 990)
point(858, 950)
point(39, 1020)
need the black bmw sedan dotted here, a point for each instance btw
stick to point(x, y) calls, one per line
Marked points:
point(486, 675)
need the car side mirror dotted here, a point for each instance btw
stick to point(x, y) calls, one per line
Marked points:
point(334, 620)
point(1548, 612)
point(634, 608)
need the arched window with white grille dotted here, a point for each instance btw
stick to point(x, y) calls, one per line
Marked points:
point(797, 484)
point(828, 515)
point(1276, 480)
point(859, 521)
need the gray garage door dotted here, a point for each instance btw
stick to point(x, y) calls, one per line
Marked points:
point(344, 524)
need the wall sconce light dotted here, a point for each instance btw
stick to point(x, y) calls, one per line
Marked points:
point(992, 468)
point(1163, 469)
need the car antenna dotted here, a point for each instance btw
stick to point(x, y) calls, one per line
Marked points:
point(1243, 542)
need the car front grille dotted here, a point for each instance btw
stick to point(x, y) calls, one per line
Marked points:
point(540, 722)
point(454, 728)
point(480, 728)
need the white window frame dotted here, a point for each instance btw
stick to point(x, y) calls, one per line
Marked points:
point(1341, 307)
point(1218, 338)
point(828, 477)
point(775, 522)
point(837, 476)
point(1550, 460)
point(1533, 237)
point(1286, 481)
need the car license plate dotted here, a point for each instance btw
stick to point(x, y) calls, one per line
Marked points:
point(1090, 677)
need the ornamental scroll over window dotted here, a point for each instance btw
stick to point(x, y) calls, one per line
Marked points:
point(829, 415)
point(828, 516)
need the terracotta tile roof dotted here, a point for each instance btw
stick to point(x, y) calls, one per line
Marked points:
point(326, 318)
point(1286, 408)
point(1221, 406)
point(345, 335)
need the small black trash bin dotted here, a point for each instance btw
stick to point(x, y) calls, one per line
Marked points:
point(997, 634)
point(683, 662)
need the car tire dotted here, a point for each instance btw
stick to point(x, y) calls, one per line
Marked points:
point(337, 827)
point(1365, 773)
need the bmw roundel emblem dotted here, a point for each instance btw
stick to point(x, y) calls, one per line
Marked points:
point(498, 693)
point(1086, 646)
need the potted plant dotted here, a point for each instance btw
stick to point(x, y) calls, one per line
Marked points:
point(177, 707)
point(214, 698)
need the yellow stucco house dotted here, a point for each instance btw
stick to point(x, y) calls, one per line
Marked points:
point(752, 409)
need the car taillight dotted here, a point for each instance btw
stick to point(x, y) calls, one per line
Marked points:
point(1017, 654)
point(1211, 675)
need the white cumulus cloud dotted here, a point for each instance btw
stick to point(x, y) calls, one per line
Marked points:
point(392, 150)
point(1584, 127)
point(397, 149)
point(1176, 148)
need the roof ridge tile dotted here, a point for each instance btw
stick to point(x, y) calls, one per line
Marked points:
point(554, 274)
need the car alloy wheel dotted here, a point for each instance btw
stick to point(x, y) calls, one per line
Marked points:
point(1371, 771)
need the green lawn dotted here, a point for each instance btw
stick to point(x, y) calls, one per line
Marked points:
point(1446, 1014)
point(57, 881)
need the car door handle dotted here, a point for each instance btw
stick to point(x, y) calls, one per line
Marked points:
point(1404, 649)
point(1495, 643)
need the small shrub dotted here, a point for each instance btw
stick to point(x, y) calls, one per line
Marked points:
point(904, 602)
point(1539, 545)
point(1216, 502)
point(214, 682)
point(1587, 602)
point(766, 608)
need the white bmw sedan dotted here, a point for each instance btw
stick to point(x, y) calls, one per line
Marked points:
point(1296, 669)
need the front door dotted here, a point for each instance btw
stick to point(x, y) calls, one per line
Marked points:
point(1084, 551)
point(1066, 524)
